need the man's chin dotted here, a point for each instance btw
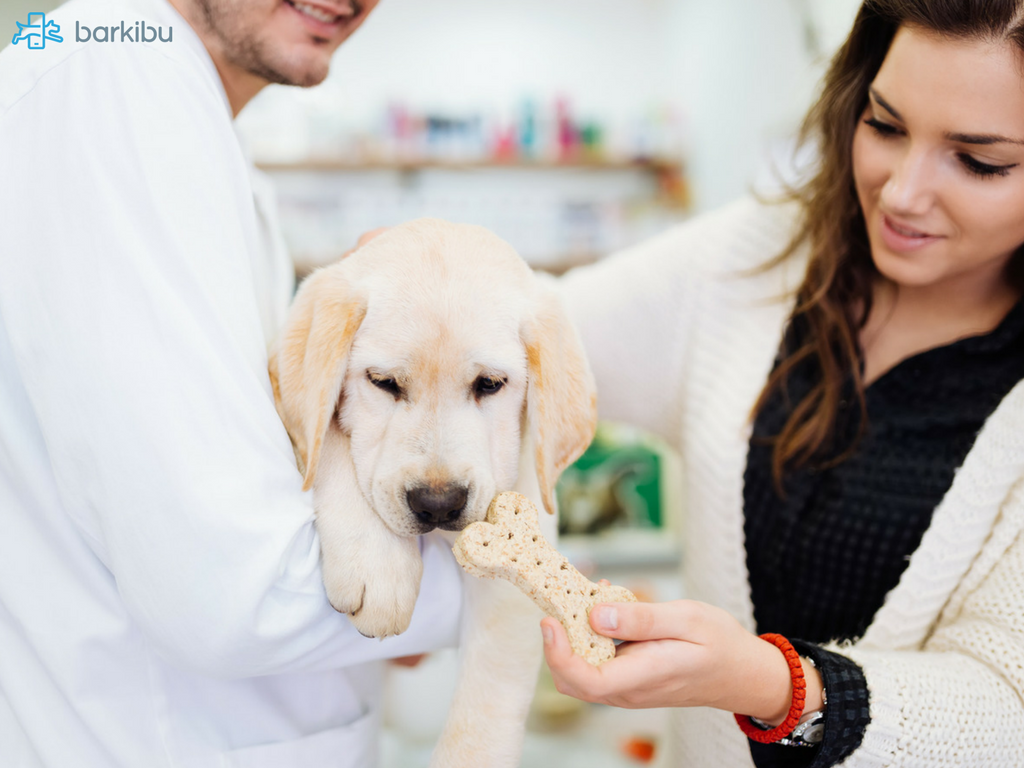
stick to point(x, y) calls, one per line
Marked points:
point(305, 77)
point(305, 71)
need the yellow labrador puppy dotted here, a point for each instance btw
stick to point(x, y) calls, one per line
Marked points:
point(417, 378)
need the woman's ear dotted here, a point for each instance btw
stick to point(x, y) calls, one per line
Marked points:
point(308, 361)
point(561, 398)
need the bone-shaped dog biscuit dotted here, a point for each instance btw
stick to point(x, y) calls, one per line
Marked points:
point(509, 545)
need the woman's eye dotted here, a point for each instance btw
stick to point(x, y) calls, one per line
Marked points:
point(882, 129)
point(386, 383)
point(487, 385)
point(983, 170)
point(971, 165)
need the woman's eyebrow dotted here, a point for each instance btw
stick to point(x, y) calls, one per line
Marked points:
point(984, 139)
point(885, 104)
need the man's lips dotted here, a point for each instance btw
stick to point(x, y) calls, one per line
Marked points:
point(328, 14)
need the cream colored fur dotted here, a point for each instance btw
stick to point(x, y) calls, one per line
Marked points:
point(433, 307)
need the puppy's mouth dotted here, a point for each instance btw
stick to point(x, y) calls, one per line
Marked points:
point(455, 526)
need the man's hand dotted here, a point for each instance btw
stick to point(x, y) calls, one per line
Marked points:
point(409, 661)
point(364, 239)
point(680, 654)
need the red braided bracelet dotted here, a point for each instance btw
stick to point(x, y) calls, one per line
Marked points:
point(796, 709)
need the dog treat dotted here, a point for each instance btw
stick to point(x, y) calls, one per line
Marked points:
point(509, 545)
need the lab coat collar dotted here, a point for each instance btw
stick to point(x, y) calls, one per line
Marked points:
point(189, 37)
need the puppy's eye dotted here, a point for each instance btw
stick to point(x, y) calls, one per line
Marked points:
point(386, 383)
point(487, 385)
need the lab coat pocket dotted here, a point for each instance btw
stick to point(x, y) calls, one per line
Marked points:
point(348, 746)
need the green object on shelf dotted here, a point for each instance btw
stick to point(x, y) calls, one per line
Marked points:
point(616, 483)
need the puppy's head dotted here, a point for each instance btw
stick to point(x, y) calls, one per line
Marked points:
point(438, 354)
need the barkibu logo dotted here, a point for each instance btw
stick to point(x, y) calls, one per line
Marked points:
point(140, 32)
point(37, 31)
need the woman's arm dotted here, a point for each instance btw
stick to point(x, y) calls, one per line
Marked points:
point(960, 700)
point(636, 311)
point(632, 312)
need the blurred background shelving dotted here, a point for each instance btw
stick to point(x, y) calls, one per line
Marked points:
point(572, 128)
point(559, 213)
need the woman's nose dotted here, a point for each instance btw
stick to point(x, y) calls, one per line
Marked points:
point(910, 188)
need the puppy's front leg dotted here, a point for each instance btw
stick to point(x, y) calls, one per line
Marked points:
point(501, 651)
point(370, 573)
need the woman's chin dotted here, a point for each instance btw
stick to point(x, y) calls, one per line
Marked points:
point(910, 271)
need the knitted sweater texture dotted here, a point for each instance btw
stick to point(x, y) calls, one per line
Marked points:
point(681, 336)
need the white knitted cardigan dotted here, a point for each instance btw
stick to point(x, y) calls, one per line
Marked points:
point(682, 343)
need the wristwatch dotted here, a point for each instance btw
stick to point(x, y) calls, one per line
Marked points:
point(808, 732)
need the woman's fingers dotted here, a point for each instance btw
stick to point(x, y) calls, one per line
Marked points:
point(564, 664)
point(628, 680)
point(646, 621)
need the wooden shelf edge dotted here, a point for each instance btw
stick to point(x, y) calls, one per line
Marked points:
point(339, 164)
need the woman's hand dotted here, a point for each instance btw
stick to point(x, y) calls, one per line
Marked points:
point(679, 654)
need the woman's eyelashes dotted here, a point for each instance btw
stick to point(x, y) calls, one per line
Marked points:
point(984, 170)
point(882, 129)
point(972, 165)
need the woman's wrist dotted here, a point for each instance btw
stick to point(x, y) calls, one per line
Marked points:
point(815, 686)
point(772, 700)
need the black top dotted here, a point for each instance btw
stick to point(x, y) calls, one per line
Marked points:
point(823, 557)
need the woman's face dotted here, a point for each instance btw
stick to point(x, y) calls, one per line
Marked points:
point(938, 160)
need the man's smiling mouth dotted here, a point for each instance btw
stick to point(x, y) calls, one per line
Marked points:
point(323, 15)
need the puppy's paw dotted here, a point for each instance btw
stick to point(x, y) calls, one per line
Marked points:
point(388, 602)
point(378, 597)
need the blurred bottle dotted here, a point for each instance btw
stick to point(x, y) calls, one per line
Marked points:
point(527, 132)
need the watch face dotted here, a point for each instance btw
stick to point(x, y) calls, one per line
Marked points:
point(814, 733)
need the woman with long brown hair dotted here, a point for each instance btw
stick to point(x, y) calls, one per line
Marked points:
point(854, 450)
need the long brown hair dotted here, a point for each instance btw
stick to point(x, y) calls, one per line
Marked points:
point(834, 300)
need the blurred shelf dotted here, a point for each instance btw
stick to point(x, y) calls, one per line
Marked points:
point(306, 263)
point(326, 164)
point(671, 192)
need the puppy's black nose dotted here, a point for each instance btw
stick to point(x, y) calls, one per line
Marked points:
point(436, 506)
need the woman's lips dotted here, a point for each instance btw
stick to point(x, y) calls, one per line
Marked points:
point(902, 238)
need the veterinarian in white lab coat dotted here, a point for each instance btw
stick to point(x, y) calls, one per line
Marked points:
point(161, 602)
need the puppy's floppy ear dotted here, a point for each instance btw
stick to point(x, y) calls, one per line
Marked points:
point(308, 361)
point(561, 398)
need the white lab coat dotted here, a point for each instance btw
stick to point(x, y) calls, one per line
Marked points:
point(161, 602)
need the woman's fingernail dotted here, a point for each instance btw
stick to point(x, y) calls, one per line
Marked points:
point(607, 617)
point(548, 635)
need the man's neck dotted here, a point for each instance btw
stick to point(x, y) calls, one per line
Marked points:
point(240, 85)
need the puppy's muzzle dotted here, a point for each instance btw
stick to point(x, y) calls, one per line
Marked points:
point(438, 506)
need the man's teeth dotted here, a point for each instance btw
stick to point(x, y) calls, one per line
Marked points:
point(316, 13)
